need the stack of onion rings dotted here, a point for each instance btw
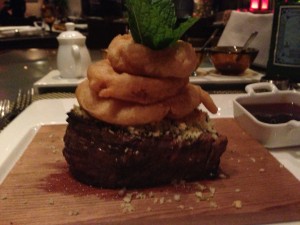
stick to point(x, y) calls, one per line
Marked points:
point(116, 94)
point(127, 113)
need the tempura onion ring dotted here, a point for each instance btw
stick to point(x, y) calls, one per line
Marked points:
point(120, 112)
point(190, 98)
point(145, 90)
point(125, 55)
point(116, 111)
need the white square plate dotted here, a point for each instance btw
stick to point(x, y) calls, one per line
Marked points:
point(208, 75)
point(270, 135)
point(54, 80)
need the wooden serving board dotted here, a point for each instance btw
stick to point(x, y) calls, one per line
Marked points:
point(253, 189)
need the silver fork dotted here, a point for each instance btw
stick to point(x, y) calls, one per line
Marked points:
point(4, 107)
point(23, 99)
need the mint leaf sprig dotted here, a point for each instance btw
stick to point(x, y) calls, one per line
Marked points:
point(153, 23)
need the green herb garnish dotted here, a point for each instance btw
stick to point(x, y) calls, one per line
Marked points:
point(153, 23)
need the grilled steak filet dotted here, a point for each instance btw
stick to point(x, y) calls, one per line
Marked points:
point(112, 156)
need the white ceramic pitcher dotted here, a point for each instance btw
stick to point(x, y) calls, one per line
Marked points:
point(73, 57)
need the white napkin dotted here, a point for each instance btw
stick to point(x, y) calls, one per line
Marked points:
point(239, 27)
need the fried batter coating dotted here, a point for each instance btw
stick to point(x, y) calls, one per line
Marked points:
point(127, 113)
point(116, 111)
point(190, 98)
point(125, 55)
point(144, 90)
point(207, 101)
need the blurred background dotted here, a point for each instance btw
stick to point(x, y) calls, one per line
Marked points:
point(16, 10)
point(29, 31)
point(100, 20)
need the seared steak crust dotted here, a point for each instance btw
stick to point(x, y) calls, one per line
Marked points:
point(109, 156)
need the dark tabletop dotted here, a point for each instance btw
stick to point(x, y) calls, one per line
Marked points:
point(20, 68)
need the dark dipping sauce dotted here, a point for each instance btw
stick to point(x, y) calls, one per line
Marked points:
point(274, 113)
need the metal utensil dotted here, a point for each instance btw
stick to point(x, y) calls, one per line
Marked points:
point(4, 107)
point(246, 45)
point(212, 36)
point(23, 100)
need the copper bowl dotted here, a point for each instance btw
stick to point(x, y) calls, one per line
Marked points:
point(231, 60)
